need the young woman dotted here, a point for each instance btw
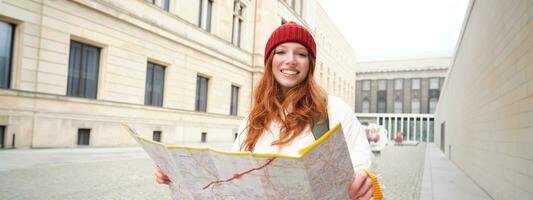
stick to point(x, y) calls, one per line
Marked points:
point(288, 103)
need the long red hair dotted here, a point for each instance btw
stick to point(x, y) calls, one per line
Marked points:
point(308, 101)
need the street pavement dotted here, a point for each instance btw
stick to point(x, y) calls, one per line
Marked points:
point(127, 173)
point(400, 170)
point(81, 173)
point(121, 173)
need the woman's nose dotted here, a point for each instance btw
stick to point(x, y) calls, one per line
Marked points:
point(291, 58)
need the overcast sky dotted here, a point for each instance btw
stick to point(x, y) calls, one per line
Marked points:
point(394, 29)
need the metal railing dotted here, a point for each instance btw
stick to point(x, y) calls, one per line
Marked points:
point(414, 127)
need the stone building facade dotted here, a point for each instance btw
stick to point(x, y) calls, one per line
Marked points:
point(484, 119)
point(180, 71)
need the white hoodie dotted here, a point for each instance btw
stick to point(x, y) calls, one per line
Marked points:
point(338, 112)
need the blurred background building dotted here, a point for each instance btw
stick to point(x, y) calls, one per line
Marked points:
point(71, 71)
point(401, 95)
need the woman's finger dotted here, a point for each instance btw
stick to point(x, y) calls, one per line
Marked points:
point(160, 176)
point(367, 195)
point(365, 187)
point(357, 183)
point(162, 181)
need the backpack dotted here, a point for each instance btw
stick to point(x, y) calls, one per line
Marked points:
point(320, 129)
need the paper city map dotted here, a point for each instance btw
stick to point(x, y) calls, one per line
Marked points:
point(322, 171)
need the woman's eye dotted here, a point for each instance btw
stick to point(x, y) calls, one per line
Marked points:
point(303, 55)
point(280, 52)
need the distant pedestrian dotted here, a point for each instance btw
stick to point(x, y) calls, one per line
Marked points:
point(399, 138)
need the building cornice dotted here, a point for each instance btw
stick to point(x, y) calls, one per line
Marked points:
point(402, 69)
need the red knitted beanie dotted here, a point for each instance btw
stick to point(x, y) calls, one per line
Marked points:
point(291, 32)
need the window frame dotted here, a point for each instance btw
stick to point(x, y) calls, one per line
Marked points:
point(149, 98)
point(82, 135)
point(165, 6)
point(198, 100)
point(234, 102)
point(398, 84)
point(384, 82)
point(203, 138)
point(415, 100)
point(365, 106)
point(3, 136)
point(431, 109)
point(80, 91)
point(398, 106)
point(418, 81)
point(157, 136)
point(200, 12)
point(238, 20)
point(9, 63)
point(209, 15)
point(431, 81)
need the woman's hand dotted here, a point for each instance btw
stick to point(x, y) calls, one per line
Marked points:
point(361, 187)
point(160, 176)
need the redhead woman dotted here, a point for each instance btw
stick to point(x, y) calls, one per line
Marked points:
point(288, 103)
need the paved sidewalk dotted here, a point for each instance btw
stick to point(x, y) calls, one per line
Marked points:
point(12, 159)
point(399, 170)
point(81, 173)
point(443, 180)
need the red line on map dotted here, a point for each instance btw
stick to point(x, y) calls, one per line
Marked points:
point(237, 176)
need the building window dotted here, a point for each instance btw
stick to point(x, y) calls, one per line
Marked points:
point(366, 85)
point(398, 84)
point(382, 105)
point(382, 96)
point(209, 14)
point(165, 5)
point(398, 106)
point(201, 94)
point(200, 7)
point(204, 137)
point(7, 32)
point(433, 95)
point(432, 105)
point(415, 84)
point(434, 83)
point(238, 19)
point(234, 100)
point(415, 105)
point(365, 107)
point(382, 85)
point(84, 136)
point(83, 70)
point(155, 78)
point(157, 136)
point(2, 136)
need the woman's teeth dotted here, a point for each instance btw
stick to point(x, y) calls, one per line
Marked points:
point(290, 72)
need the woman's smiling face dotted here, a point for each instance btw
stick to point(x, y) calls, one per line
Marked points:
point(290, 64)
